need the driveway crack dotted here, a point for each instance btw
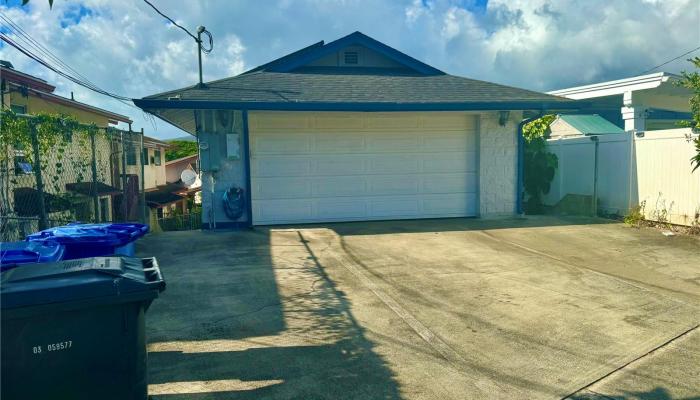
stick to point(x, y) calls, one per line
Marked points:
point(648, 353)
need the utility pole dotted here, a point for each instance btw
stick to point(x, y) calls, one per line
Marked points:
point(200, 30)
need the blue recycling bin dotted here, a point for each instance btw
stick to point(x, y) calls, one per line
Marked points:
point(93, 240)
point(13, 254)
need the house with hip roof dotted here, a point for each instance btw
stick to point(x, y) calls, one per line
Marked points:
point(354, 130)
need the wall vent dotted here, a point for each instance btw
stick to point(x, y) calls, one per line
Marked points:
point(351, 57)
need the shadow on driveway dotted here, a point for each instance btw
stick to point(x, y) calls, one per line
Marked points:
point(453, 224)
point(250, 315)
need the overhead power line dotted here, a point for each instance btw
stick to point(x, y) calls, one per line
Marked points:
point(33, 49)
point(671, 60)
point(30, 47)
point(22, 35)
point(171, 20)
point(190, 34)
point(200, 49)
point(31, 55)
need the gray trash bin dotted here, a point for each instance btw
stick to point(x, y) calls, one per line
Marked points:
point(75, 329)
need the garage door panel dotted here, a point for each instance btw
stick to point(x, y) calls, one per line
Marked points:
point(393, 121)
point(339, 165)
point(455, 183)
point(456, 122)
point(450, 204)
point(392, 143)
point(340, 186)
point(283, 210)
point(393, 164)
point(389, 167)
point(449, 162)
point(394, 207)
point(281, 166)
point(449, 141)
point(387, 185)
point(290, 143)
point(334, 209)
point(281, 188)
point(339, 143)
point(339, 123)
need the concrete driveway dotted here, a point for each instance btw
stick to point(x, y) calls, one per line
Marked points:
point(536, 308)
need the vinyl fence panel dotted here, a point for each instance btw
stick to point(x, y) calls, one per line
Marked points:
point(651, 169)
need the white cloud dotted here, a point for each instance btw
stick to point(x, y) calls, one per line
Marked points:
point(125, 47)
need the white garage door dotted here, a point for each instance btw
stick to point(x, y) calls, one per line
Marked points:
point(324, 167)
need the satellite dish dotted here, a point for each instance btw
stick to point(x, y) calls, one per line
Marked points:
point(188, 177)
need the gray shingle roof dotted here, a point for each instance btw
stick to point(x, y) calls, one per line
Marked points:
point(360, 86)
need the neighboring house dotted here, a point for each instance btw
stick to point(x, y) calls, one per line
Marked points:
point(354, 130)
point(161, 196)
point(174, 168)
point(173, 172)
point(640, 103)
point(27, 94)
point(565, 126)
point(153, 163)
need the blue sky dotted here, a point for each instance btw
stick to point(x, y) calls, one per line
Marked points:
point(125, 47)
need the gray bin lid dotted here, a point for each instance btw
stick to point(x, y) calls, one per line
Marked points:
point(99, 279)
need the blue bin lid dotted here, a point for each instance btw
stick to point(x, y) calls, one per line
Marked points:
point(108, 234)
point(17, 253)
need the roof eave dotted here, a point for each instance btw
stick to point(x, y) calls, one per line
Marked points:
point(152, 105)
point(618, 86)
point(54, 98)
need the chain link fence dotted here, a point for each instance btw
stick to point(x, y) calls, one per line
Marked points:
point(181, 222)
point(54, 170)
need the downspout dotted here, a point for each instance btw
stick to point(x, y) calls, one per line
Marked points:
point(246, 155)
point(594, 203)
point(521, 162)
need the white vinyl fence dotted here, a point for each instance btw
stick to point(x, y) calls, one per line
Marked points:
point(624, 170)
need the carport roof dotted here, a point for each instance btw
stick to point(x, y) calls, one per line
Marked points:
point(296, 82)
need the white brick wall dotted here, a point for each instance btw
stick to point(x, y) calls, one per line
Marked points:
point(498, 165)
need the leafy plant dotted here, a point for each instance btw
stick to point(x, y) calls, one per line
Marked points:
point(691, 80)
point(540, 165)
point(538, 128)
point(636, 215)
point(180, 149)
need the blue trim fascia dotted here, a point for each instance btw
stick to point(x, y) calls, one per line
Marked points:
point(152, 105)
point(361, 39)
point(286, 59)
point(246, 153)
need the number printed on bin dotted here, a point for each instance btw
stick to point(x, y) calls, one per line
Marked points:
point(50, 347)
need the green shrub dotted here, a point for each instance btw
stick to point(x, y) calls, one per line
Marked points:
point(636, 215)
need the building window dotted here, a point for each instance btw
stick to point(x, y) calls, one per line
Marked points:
point(130, 154)
point(145, 156)
point(156, 156)
point(18, 109)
